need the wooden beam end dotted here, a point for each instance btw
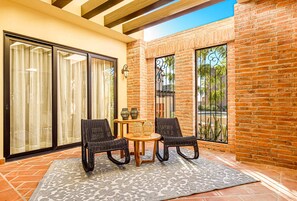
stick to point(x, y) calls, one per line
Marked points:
point(60, 3)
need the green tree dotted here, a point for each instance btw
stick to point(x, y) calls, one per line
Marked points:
point(212, 71)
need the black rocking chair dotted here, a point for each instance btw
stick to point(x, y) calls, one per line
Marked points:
point(171, 134)
point(97, 137)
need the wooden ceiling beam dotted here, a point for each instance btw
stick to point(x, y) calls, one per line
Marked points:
point(132, 10)
point(166, 13)
point(243, 1)
point(60, 3)
point(94, 7)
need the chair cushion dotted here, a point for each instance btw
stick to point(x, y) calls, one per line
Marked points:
point(110, 145)
point(180, 141)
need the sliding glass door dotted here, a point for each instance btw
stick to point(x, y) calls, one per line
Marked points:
point(48, 89)
point(30, 97)
point(72, 95)
point(102, 89)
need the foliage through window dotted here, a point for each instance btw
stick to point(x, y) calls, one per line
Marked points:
point(165, 83)
point(211, 92)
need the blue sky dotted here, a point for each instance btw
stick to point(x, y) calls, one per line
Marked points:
point(207, 15)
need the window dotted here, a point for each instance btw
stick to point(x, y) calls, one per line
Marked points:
point(165, 84)
point(48, 89)
point(211, 94)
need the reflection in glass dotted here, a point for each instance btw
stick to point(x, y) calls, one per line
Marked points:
point(72, 96)
point(30, 97)
point(103, 90)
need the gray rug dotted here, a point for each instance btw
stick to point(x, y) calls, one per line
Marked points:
point(66, 180)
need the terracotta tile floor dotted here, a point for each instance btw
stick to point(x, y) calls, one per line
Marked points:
point(18, 179)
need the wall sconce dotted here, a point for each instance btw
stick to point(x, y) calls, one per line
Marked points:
point(125, 70)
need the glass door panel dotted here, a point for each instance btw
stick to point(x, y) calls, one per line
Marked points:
point(102, 90)
point(72, 96)
point(30, 97)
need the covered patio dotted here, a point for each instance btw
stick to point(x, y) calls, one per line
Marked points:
point(20, 178)
point(231, 83)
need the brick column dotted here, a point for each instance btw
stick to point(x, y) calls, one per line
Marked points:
point(137, 79)
point(151, 89)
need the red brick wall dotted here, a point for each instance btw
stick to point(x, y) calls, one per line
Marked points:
point(266, 82)
point(151, 90)
point(183, 46)
point(137, 79)
point(185, 90)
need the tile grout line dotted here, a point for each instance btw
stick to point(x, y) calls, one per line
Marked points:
point(12, 187)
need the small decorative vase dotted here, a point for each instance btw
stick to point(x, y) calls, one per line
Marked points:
point(125, 113)
point(134, 113)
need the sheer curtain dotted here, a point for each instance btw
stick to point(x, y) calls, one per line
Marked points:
point(30, 97)
point(72, 96)
point(103, 90)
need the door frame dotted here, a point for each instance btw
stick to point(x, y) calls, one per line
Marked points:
point(6, 91)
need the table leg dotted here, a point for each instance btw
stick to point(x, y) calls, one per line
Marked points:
point(143, 143)
point(143, 148)
point(136, 153)
point(153, 156)
point(154, 151)
point(121, 136)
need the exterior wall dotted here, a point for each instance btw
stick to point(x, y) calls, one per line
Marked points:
point(29, 22)
point(185, 90)
point(265, 85)
point(183, 46)
point(151, 89)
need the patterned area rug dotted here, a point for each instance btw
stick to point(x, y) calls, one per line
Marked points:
point(66, 179)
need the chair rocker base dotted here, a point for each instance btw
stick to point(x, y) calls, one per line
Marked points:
point(117, 162)
point(166, 153)
point(196, 153)
point(89, 161)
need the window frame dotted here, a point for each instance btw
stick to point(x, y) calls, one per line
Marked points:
point(196, 94)
point(155, 75)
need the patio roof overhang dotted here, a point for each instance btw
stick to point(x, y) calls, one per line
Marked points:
point(133, 15)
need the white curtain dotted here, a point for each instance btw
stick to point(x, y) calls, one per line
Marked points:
point(30, 97)
point(72, 96)
point(102, 90)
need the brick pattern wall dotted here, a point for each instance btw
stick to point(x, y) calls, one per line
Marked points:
point(137, 78)
point(266, 82)
point(219, 32)
point(183, 46)
point(151, 90)
point(185, 90)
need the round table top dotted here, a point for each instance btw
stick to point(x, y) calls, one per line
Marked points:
point(129, 121)
point(152, 137)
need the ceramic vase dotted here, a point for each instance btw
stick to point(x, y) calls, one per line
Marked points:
point(125, 113)
point(134, 113)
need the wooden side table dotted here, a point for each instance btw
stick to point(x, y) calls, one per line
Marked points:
point(153, 137)
point(127, 122)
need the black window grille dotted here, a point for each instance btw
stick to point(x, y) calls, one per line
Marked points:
point(211, 94)
point(165, 84)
